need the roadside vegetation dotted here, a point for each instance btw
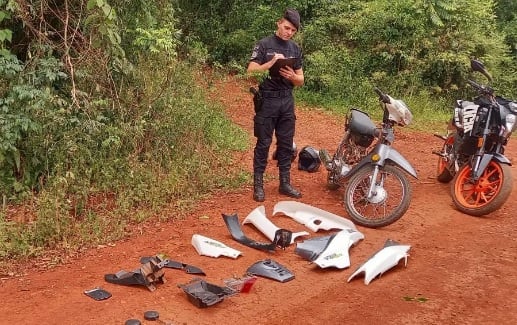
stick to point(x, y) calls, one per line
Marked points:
point(103, 122)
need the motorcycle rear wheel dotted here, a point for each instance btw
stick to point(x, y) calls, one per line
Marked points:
point(443, 174)
point(486, 195)
point(392, 185)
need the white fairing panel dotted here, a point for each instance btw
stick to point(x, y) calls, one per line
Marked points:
point(258, 218)
point(213, 248)
point(312, 217)
point(382, 261)
point(464, 115)
point(336, 253)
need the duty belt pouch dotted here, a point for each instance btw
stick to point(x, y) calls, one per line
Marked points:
point(257, 99)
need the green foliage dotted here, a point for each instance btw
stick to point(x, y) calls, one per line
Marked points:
point(229, 28)
point(29, 102)
point(506, 11)
point(102, 122)
point(104, 126)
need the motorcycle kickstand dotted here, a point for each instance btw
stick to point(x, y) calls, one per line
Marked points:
point(442, 137)
point(439, 153)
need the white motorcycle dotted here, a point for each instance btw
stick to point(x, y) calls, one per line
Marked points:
point(373, 173)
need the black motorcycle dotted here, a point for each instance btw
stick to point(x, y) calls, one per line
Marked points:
point(472, 155)
point(377, 191)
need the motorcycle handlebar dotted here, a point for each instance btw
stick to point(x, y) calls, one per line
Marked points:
point(382, 96)
point(484, 90)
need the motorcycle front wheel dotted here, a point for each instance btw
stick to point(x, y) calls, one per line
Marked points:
point(391, 199)
point(487, 194)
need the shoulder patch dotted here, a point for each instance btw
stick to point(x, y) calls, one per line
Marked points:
point(255, 52)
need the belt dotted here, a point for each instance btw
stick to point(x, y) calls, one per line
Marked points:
point(276, 93)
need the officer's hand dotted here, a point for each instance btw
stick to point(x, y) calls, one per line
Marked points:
point(287, 72)
point(276, 57)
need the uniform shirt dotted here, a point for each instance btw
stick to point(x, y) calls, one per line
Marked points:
point(264, 51)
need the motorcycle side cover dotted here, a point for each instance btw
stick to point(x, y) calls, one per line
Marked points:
point(312, 217)
point(464, 115)
point(213, 248)
point(330, 251)
point(382, 261)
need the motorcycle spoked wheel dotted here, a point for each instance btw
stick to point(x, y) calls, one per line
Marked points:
point(391, 202)
point(443, 174)
point(487, 194)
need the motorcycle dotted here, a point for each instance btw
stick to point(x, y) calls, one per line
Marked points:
point(472, 155)
point(377, 191)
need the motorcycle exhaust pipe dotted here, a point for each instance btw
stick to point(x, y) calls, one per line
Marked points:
point(325, 159)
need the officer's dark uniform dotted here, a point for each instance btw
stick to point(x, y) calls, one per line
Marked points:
point(276, 114)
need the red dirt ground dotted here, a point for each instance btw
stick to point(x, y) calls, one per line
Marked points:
point(461, 269)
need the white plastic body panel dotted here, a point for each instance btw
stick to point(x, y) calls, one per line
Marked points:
point(258, 218)
point(382, 261)
point(312, 217)
point(213, 248)
point(336, 254)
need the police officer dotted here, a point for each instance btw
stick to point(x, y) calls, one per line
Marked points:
point(276, 112)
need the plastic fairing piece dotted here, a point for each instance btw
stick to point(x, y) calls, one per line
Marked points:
point(203, 294)
point(258, 218)
point(243, 284)
point(330, 251)
point(383, 260)
point(271, 270)
point(147, 275)
point(232, 223)
point(213, 248)
point(97, 293)
point(312, 217)
point(190, 269)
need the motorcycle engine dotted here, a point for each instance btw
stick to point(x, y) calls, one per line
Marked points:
point(362, 140)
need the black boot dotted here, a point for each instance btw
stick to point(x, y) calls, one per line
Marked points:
point(258, 188)
point(286, 188)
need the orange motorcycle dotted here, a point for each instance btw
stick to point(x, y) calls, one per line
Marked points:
point(472, 155)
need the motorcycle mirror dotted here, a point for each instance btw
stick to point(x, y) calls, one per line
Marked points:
point(478, 66)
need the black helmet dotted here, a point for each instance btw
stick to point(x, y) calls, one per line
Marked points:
point(294, 153)
point(309, 159)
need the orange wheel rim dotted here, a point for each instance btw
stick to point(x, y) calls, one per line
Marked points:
point(441, 165)
point(478, 194)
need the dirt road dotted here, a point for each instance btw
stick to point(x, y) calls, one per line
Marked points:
point(461, 269)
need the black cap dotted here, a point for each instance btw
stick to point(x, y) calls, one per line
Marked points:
point(293, 17)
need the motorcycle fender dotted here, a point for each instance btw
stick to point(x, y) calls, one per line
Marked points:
point(383, 260)
point(399, 160)
point(386, 153)
point(312, 217)
point(258, 218)
point(330, 251)
point(487, 158)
